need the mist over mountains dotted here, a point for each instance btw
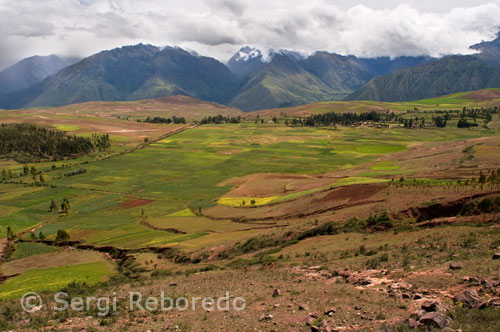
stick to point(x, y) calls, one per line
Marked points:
point(251, 79)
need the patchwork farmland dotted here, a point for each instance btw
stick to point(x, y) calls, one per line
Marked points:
point(309, 210)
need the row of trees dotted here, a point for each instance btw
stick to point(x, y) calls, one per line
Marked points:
point(158, 119)
point(220, 119)
point(345, 119)
point(484, 206)
point(42, 143)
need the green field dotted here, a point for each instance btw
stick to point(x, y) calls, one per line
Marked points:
point(53, 279)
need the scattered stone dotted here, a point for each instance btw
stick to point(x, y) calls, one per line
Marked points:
point(496, 255)
point(418, 314)
point(302, 307)
point(344, 274)
point(455, 266)
point(417, 296)
point(266, 318)
point(330, 311)
point(325, 327)
point(470, 279)
point(430, 306)
point(406, 296)
point(488, 284)
point(357, 307)
point(412, 323)
point(310, 321)
point(172, 284)
point(360, 281)
point(495, 302)
point(276, 292)
point(276, 306)
point(469, 298)
point(434, 319)
point(313, 314)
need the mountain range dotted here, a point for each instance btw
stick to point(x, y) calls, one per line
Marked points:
point(440, 77)
point(31, 70)
point(251, 80)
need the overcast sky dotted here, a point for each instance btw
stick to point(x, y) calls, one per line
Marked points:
point(218, 28)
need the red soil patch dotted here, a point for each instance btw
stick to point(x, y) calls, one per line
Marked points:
point(135, 203)
point(483, 95)
point(352, 193)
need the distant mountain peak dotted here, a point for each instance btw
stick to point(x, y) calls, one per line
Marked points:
point(296, 56)
point(495, 43)
point(247, 53)
point(246, 61)
point(32, 70)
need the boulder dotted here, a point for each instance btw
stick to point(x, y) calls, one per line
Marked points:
point(434, 319)
point(488, 284)
point(276, 292)
point(412, 323)
point(469, 298)
point(430, 306)
point(418, 314)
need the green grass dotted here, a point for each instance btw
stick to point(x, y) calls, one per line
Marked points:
point(182, 213)
point(67, 127)
point(28, 249)
point(53, 279)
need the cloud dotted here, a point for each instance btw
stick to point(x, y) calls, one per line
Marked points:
point(219, 27)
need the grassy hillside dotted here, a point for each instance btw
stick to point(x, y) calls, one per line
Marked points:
point(444, 76)
point(479, 98)
point(283, 83)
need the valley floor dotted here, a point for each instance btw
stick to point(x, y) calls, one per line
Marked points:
point(317, 228)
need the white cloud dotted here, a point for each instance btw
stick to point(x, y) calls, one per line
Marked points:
point(219, 27)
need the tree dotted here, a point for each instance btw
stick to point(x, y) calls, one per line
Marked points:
point(4, 174)
point(65, 206)
point(482, 177)
point(26, 170)
point(10, 174)
point(41, 236)
point(53, 206)
point(42, 178)
point(496, 207)
point(62, 236)
point(485, 206)
point(10, 234)
point(33, 236)
point(34, 170)
point(146, 140)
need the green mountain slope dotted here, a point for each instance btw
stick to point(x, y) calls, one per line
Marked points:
point(441, 77)
point(30, 71)
point(130, 73)
point(281, 83)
